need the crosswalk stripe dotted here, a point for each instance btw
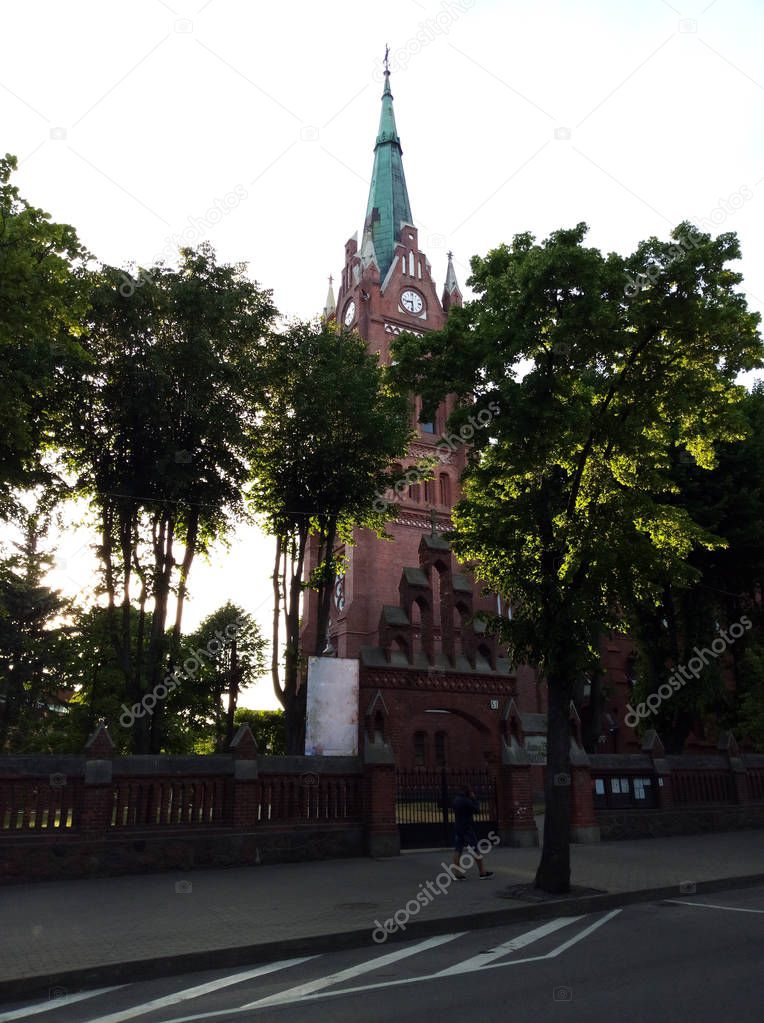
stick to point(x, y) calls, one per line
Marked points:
point(54, 1003)
point(521, 941)
point(311, 987)
point(583, 934)
point(199, 990)
point(710, 905)
point(319, 995)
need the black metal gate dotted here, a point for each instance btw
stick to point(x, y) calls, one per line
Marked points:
point(423, 805)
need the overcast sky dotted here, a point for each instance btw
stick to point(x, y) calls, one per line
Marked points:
point(134, 122)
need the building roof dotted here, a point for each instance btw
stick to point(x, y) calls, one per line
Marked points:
point(388, 206)
point(330, 306)
point(452, 285)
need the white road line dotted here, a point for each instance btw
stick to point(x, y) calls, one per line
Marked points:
point(311, 987)
point(55, 1003)
point(220, 1014)
point(198, 991)
point(521, 941)
point(583, 934)
point(710, 905)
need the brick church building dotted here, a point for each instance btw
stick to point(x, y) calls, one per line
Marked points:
point(432, 681)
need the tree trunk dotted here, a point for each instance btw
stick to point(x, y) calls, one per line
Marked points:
point(295, 694)
point(275, 674)
point(233, 693)
point(326, 588)
point(294, 723)
point(553, 874)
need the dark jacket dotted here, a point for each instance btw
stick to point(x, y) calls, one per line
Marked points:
point(464, 808)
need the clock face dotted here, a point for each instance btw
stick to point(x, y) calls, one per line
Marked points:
point(349, 313)
point(412, 302)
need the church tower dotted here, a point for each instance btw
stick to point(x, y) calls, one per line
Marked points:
point(405, 608)
point(387, 287)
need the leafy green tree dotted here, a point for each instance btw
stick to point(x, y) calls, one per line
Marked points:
point(750, 682)
point(43, 299)
point(267, 727)
point(728, 501)
point(89, 670)
point(32, 639)
point(231, 655)
point(164, 424)
point(567, 507)
point(331, 425)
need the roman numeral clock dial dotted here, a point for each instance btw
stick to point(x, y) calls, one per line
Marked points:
point(412, 302)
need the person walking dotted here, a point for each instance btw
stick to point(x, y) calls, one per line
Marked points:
point(465, 806)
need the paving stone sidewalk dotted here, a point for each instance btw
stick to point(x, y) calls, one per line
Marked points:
point(50, 928)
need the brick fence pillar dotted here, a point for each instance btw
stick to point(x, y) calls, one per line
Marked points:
point(583, 823)
point(728, 745)
point(245, 787)
point(97, 801)
point(517, 826)
point(382, 835)
point(652, 745)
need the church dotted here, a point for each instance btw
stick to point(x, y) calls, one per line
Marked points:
point(433, 683)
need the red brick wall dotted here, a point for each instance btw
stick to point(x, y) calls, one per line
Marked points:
point(472, 727)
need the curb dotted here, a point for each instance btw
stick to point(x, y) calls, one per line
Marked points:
point(107, 974)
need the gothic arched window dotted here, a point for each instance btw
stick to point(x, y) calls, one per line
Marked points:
point(445, 490)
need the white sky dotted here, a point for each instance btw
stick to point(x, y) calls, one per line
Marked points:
point(129, 121)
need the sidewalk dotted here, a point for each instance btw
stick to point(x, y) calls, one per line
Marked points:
point(112, 930)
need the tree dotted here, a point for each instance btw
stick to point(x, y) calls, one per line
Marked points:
point(567, 507)
point(728, 501)
point(331, 425)
point(164, 423)
point(32, 640)
point(231, 655)
point(267, 727)
point(43, 298)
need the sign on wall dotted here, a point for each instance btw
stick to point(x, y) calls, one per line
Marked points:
point(332, 707)
point(535, 748)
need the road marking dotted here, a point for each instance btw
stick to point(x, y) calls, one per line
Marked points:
point(710, 905)
point(521, 941)
point(390, 983)
point(55, 1003)
point(584, 933)
point(198, 991)
point(313, 986)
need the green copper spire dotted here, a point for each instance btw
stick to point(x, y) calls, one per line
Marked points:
point(388, 204)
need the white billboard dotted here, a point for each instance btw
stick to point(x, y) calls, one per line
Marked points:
point(332, 707)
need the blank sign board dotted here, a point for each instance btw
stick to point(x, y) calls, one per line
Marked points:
point(332, 715)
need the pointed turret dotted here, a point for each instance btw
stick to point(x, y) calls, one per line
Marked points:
point(330, 306)
point(388, 205)
point(451, 294)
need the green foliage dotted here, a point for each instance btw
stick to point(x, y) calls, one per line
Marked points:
point(32, 644)
point(43, 298)
point(727, 500)
point(331, 424)
point(230, 652)
point(267, 727)
point(750, 677)
point(569, 507)
point(164, 425)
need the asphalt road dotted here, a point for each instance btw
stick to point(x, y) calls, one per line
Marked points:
point(694, 958)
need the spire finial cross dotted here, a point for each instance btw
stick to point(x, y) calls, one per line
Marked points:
point(450, 255)
point(387, 59)
point(331, 280)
